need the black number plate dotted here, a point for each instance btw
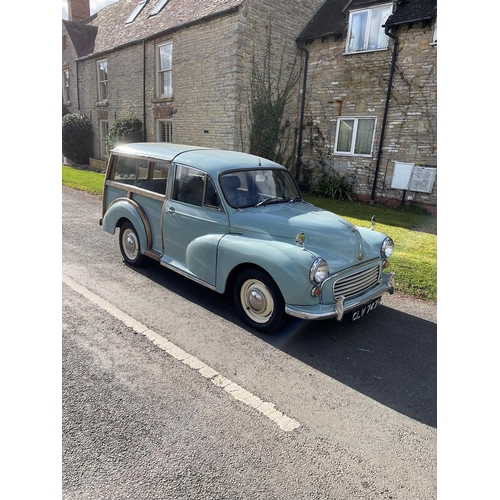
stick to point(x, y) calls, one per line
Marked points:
point(367, 309)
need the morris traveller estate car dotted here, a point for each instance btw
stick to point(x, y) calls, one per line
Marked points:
point(237, 223)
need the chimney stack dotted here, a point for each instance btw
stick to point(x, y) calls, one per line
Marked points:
point(78, 10)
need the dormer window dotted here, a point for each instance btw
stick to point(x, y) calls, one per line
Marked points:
point(136, 11)
point(365, 29)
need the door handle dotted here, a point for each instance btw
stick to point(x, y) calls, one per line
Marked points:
point(171, 210)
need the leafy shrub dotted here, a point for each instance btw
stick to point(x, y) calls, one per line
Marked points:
point(334, 186)
point(272, 87)
point(123, 131)
point(77, 138)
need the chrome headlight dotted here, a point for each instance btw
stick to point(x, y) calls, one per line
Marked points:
point(319, 271)
point(387, 248)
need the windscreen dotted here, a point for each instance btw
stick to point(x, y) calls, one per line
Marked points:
point(247, 188)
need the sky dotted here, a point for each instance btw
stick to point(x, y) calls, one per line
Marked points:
point(95, 5)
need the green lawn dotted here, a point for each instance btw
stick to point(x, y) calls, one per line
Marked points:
point(413, 231)
point(415, 241)
point(84, 180)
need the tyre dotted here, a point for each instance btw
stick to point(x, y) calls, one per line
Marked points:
point(130, 245)
point(258, 301)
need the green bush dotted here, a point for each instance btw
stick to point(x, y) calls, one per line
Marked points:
point(334, 186)
point(123, 131)
point(77, 138)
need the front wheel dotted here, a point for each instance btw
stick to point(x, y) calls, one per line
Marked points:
point(130, 245)
point(259, 301)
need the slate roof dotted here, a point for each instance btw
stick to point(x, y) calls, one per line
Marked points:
point(328, 20)
point(332, 16)
point(112, 32)
point(82, 37)
point(413, 11)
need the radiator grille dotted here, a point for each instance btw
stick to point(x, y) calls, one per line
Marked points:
point(356, 283)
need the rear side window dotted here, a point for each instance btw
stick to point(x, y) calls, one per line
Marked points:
point(141, 173)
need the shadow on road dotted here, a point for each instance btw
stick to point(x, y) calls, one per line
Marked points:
point(389, 356)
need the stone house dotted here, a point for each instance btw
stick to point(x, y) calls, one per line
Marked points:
point(364, 107)
point(183, 67)
point(369, 111)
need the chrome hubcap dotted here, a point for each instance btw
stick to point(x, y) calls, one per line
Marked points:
point(257, 301)
point(130, 244)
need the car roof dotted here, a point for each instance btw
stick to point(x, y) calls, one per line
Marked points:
point(213, 161)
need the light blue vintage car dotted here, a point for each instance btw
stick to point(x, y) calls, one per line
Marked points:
point(237, 223)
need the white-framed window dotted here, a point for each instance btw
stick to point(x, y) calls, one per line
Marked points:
point(65, 85)
point(354, 136)
point(103, 133)
point(102, 80)
point(164, 131)
point(365, 29)
point(136, 11)
point(164, 70)
point(435, 34)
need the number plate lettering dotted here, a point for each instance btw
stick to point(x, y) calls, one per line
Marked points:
point(363, 311)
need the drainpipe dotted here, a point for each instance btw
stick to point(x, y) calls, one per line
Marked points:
point(387, 99)
point(302, 111)
point(144, 88)
point(77, 87)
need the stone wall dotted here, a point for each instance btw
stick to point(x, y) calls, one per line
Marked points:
point(205, 75)
point(356, 85)
point(282, 20)
point(212, 63)
point(68, 58)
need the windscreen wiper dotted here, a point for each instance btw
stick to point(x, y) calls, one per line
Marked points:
point(275, 199)
point(269, 200)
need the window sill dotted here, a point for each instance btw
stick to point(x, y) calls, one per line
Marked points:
point(353, 155)
point(365, 51)
point(162, 99)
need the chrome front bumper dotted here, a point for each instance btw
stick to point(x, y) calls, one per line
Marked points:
point(343, 305)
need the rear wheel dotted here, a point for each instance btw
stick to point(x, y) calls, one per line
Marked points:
point(258, 301)
point(130, 246)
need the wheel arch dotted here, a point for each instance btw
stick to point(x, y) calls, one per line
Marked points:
point(123, 209)
point(237, 270)
point(287, 265)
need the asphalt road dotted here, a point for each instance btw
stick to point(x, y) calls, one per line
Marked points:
point(350, 408)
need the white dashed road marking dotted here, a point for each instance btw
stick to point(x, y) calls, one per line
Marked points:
point(237, 392)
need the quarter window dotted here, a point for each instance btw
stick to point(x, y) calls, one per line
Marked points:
point(354, 136)
point(65, 85)
point(164, 65)
point(366, 31)
point(102, 80)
